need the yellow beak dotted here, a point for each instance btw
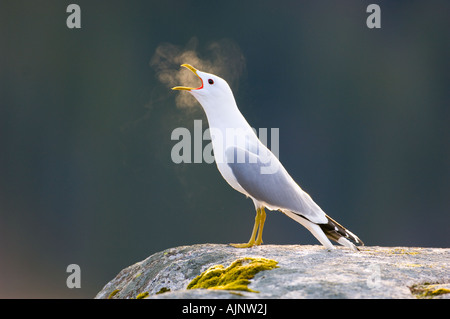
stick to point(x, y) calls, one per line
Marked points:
point(194, 70)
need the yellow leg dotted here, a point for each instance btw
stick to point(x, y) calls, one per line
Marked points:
point(262, 219)
point(259, 223)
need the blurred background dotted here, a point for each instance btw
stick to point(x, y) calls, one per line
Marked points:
point(86, 175)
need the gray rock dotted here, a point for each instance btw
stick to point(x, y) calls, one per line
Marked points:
point(304, 272)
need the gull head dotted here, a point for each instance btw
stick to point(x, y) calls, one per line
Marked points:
point(213, 91)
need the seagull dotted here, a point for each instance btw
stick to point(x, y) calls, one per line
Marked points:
point(253, 170)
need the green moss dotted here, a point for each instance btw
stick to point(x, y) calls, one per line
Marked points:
point(142, 295)
point(439, 291)
point(163, 290)
point(428, 290)
point(399, 251)
point(112, 294)
point(411, 265)
point(235, 277)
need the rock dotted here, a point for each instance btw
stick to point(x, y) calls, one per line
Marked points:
point(301, 272)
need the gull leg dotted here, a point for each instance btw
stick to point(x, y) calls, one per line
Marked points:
point(262, 219)
point(251, 242)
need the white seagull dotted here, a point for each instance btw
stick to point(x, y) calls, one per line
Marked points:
point(252, 169)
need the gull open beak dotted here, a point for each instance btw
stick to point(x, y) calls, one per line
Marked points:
point(194, 70)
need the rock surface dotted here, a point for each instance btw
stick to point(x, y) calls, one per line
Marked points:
point(303, 272)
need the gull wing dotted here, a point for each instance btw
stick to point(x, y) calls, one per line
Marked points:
point(265, 179)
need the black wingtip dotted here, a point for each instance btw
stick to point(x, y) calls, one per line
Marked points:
point(334, 231)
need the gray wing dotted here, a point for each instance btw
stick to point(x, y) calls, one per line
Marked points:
point(266, 180)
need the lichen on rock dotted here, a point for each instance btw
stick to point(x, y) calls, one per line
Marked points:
point(303, 272)
point(142, 295)
point(235, 277)
point(430, 290)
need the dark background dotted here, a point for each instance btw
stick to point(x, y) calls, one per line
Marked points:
point(85, 170)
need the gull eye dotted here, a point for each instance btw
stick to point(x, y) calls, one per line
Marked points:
point(211, 81)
